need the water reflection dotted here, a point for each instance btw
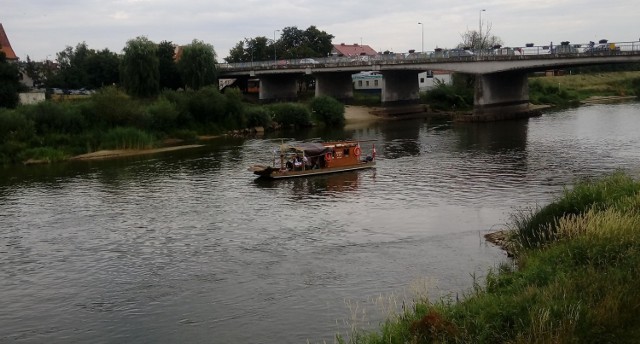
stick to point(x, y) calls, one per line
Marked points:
point(493, 136)
point(176, 247)
point(334, 183)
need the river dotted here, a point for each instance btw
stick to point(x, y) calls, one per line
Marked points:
point(187, 246)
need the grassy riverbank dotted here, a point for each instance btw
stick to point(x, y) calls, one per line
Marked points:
point(574, 280)
point(570, 90)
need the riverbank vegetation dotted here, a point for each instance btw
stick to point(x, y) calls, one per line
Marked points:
point(574, 280)
point(561, 91)
point(110, 119)
point(571, 90)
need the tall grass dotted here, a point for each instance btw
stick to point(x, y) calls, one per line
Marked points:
point(578, 286)
point(534, 228)
point(127, 138)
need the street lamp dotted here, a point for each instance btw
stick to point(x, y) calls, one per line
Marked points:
point(421, 24)
point(275, 59)
point(480, 28)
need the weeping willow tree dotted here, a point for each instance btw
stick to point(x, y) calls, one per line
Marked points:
point(197, 65)
point(140, 71)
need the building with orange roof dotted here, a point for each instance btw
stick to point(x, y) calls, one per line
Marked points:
point(5, 46)
point(352, 50)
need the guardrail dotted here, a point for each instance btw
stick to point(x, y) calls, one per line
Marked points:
point(447, 55)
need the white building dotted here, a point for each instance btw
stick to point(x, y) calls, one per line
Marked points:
point(372, 82)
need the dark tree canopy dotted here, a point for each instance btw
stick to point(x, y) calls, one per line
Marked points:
point(9, 83)
point(84, 68)
point(139, 68)
point(251, 49)
point(169, 75)
point(293, 43)
point(197, 65)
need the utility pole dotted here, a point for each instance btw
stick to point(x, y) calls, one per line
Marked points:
point(480, 39)
point(421, 24)
point(275, 58)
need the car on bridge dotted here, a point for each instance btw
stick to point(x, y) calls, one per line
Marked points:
point(601, 48)
point(458, 53)
point(308, 61)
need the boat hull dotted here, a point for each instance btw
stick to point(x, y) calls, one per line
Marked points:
point(273, 173)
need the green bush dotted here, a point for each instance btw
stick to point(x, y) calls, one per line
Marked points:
point(291, 114)
point(48, 117)
point(207, 105)
point(448, 97)
point(258, 117)
point(541, 93)
point(635, 84)
point(114, 108)
point(328, 111)
point(47, 154)
point(161, 116)
point(234, 109)
point(14, 126)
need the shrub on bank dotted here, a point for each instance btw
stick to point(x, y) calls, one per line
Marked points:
point(448, 97)
point(328, 111)
point(291, 114)
point(545, 93)
point(580, 286)
point(258, 117)
point(113, 108)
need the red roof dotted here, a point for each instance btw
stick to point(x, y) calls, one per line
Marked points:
point(353, 50)
point(5, 46)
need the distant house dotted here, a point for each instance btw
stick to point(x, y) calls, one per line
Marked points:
point(429, 79)
point(352, 50)
point(5, 46)
point(373, 81)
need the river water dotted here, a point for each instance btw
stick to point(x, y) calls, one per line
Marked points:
point(187, 246)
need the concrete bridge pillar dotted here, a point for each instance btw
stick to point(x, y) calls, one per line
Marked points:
point(500, 94)
point(400, 86)
point(336, 85)
point(278, 86)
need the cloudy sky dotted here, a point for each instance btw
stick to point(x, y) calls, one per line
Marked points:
point(41, 28)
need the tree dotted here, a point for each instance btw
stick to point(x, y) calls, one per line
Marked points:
point(140, 68)
point(169, 75)
point(479, 41)
point(197, 65)
point(9, 83)
point(35, 71)
point(83, 68)
point(102, 68)
point(293, 43)
point(251, 49)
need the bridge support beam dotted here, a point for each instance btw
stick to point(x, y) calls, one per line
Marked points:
point(278, 87)
point(336, 85)
point(400, 86)
point(501, 95)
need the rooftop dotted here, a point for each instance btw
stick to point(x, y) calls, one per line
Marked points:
point(353, 50)
point(5, 46)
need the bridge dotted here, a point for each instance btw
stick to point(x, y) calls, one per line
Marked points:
point(501, 85)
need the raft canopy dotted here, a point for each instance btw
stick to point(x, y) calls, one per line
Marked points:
point(308, 148)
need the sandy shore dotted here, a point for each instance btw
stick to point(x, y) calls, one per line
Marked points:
point(117, 153)
point(359, 115)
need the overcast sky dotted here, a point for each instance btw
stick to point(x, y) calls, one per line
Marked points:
point(41, 28)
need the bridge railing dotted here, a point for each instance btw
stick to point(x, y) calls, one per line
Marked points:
point(565, 49)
